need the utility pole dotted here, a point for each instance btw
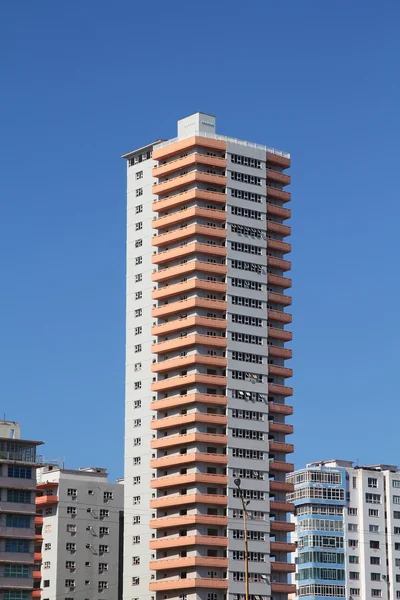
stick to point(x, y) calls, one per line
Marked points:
point(246, 545)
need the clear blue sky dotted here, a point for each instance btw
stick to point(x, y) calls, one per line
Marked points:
point(83, 83)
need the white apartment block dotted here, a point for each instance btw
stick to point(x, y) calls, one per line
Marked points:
point(206, 390)
point(79, 529)
point(347, 530)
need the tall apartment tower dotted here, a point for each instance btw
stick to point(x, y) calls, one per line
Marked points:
point(18, 463)
point(79, 529)
point(348, 530)
point(205, 368)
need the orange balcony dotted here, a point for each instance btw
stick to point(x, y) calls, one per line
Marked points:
point(189, 267)
point(279, 352)
point(282, 178)
point(275, 427)
point(187, 399)
point(286, 507)
point(182, 233)
point(37, 556)
point(36, 593)
point(281, 466)
point(283, 282)
point(190, 540)
point(173, 522)
point(187, 305)
point(278, 245)
point(185, 197)
point(278, 334)
point(279, 299)
point(187, 380)
point(188, 286)
point(190, 160)
point(283, 588)
point(278, 211)
point(280, 316)
point(187, 249)
point(281, 486)
point(279, 263)
point(281, 390)
point(188, 561)
point(276, 159)
point(184, 361)
point(179, 420)
point(189, 438)
point(186, 323)
point(174, 480)
point(276, 194)
point(38, 520)
point(281, 447)
point(189, 583)
point(279, 371)
point(187, 459)
point(187, 214)
point(179, 146)
point(282, 567)
point(189, 340)
point(283, 230)
point(42, 500)
point(38, 537)
point(170, 185)
point(281, 526)
point(280, 409)
point(37, 575)
point(183, 500)
point(283, 547)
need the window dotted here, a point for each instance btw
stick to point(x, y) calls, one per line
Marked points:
point(375, 576)
point(375, 560)
point(20, 472)
point(374, 544)
point(136, 539)
point(47, 546)
point(138, 347)
point(248, 248)
point(104, 531)
point(137, 386)
point(248, 231)
point(396, 530)
point(246, 284)
point(242, 301)
point(353, 559)
point(376, 593)
point(246, 338)
point(135, 580)
point(139, 208)
point(373, 528)
point(103, 567)
point(103, 548)
point(247, 320)
point(247, 162)
point(396, 499)
point(71, 510)
point(23, 522)
point(139, 192)
point(352, 512)
point(46, 583)
point(354, 591)
point(137, 441)
point(49, 511)
point(372, 482)
point(138, 244)
point(103, 585)
point(137, 404)
point(245, 178)
point(352, 527)
point(46, 565)
point(137, 422)
point(246, 376)
point(138, 278)
point(16, 545)
point(72, 492)
point(138, 312)
point(139, 175)
point(246, 212)
point(397, 546)
point(396, 483)
point(373, 498)
point(136, 499)
point(71, 528)
point(246, 195)
point(136, 460)
point(354, 575)
point(138, 330)
point(138, 260)
point(136, 480)
point(354, 483)
point(22, 496)
point(373, 512)
point(139, 226)
point(11, 570)
point(70, 583)
point(108, 496)
point(396, 514)
point(104, 512)
point(70, 564)
point(136, 520)
point(353, 543)
point(70, 546)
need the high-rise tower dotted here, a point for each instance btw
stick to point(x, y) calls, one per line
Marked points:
point(205, 368)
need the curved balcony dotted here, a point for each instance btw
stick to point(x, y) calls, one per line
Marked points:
point(188, 459)
point(279, 352)
point(281, 526)
point(189, 583)
point(279, 298)
point(37, 556)
point(184, 197)
point(189, 340)
point(280, 466)
point(277, 159)
point(188, 286)
point(187, 305)
point(279, 281)
point(38, 520)
point(189, 438)
point(190, 231)
point(186, 322)
point(283, 547)
point(188, 399)
point(276, 194)
point(197, 519)
point(181, 145)
point(43, 500)
point(281, 390)
point(187, 380)
point(279, 263)
point(286, 507)
point(194, 159)
point(170, 185)
point(190, 540)
point(278, 315)
point(36, 593)
point(281, 447)
point(187, 214)
point(279, 371)
point(179, 420)
point(285, 428)
point(183, 500)
point(185, 361)
point(282, 567)
point(186, 268)
point(278, 245)
point(278, 334)
point(279, 409)
point(277, 176)
point(283, 588)
point(281, 486)
point(278, 211)
point(37, 575)
point(283, 230)
point(188, 561)
point(187, 249)
point(169, 481)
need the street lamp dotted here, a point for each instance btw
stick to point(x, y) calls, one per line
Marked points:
point(246, 546)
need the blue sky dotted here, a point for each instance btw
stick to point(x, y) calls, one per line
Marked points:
point(83, 83)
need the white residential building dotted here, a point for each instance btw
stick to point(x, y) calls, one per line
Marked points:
point(79, 533)
point(347, 530)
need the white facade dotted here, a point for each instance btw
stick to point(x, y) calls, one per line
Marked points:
point(81, 530)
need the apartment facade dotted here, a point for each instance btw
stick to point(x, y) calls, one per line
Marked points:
point(347, 530)
point(206, 393)
point(18, 464)
point(79, 529)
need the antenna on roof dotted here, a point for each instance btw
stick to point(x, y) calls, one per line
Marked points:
point(357, 462)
